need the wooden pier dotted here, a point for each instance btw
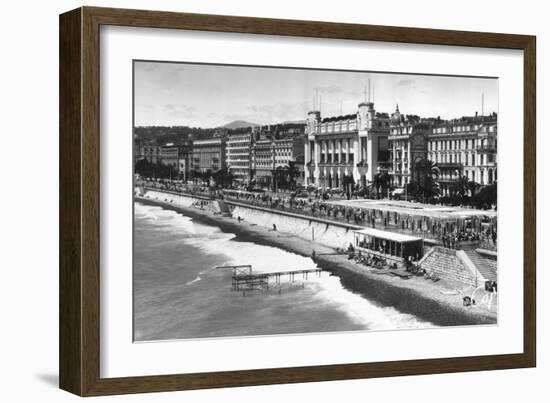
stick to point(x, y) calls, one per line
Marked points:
point(243, 279)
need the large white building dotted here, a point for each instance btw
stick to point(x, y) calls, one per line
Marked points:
point(466, 146)
point(208, 154)
point(239, 155)
point(345, 146)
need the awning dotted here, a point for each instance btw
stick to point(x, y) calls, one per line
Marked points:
point(390, 236)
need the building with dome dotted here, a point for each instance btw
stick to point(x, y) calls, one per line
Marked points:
point(462, 147)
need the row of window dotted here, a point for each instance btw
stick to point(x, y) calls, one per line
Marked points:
point(337, 158)
point(463, 128)
point(459, 158)
point(444, 145)
point(401, 130)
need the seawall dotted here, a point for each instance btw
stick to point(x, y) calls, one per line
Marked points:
point(333, 235)
point(324, 232)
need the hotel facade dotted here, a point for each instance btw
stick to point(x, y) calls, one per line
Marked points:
point(345, 146)
point(366, 143)
point(268, 154)
point(208, 154)
point(463, 147)
point(466, 147)
point(239, 155)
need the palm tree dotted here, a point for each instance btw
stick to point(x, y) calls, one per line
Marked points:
point(292, 172)
point(463, 187)
point(381, 182)
point(223, 177)
point(472, 187)
point(279, 175)
point(486, 197)
point(424, 183)
point(348, 184)
point(460, 187)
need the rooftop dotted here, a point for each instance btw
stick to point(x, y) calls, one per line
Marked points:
point(339, 118)
point(390, 236)
point(418, 209)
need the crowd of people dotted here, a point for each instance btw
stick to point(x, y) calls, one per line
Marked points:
point(448, 233)
point(484, 238)
point(451, 234)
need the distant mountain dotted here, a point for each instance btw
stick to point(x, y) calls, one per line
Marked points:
point(236, 124)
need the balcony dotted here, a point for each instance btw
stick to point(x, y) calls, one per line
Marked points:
point(487, 148)
point(449, 165)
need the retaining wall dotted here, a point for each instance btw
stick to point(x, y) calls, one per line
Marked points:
point(178, 199)
point(328, 234)
point(335, 235)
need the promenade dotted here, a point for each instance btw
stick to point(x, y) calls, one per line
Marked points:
point(455, 227)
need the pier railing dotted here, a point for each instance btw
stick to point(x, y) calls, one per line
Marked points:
point(244, 279)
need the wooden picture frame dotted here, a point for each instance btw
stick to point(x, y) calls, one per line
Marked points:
point(79, 348)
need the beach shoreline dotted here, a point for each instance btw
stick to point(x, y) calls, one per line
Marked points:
point(416, 296)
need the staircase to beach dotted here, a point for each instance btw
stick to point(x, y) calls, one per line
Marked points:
point(223, 207)
point(447, 265)
point(485, 264)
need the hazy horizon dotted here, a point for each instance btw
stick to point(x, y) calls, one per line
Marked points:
point(208, 96)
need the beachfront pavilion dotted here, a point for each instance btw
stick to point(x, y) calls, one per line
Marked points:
point(389, 244)
point(426, 220)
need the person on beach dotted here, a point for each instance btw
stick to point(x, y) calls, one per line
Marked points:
point(274, 227)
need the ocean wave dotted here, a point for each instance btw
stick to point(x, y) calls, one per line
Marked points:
point(328, 289)
point(196, 279)
point(363, 311)
point(322, 291)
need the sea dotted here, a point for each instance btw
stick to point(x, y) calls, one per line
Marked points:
point(180, 293)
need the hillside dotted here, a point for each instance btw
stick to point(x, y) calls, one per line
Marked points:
point(237, 124)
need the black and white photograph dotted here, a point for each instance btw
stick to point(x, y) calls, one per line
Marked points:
point(275, 200)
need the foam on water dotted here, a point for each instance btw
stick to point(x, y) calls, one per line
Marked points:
point(363, 311)
point(327, 289)
point(198, 278)
point(322, 291)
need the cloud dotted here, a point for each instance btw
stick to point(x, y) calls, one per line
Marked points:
point(159, 75)
point(180, 110)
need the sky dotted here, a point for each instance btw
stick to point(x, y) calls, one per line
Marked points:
point(179, 94)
